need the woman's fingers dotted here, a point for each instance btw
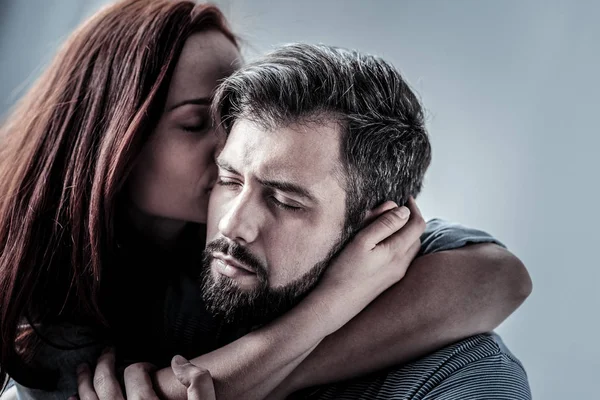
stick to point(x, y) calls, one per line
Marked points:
point(384, 226)
point(402, 240)
point(106, 385)
point(85, 387)
point(138, 383)
point(197, 380)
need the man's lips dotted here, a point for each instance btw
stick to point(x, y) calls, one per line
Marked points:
point(232, 261)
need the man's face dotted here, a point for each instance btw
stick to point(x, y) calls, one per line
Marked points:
point(278, 207)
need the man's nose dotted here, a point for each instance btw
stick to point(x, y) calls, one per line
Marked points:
point(241, 223)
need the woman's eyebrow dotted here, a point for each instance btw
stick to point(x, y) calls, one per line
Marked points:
point(203, 101)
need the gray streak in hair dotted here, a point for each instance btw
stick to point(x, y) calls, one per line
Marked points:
point(384, 149)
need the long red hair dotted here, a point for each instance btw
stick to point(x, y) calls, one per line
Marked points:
point(65, 153)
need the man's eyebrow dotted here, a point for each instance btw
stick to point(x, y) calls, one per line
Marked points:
point(203, 101)
point(283, 186)
point(226, 166)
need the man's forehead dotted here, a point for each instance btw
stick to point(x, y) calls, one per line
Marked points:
point(306, 154)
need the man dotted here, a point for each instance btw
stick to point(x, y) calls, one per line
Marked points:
point(318, 139)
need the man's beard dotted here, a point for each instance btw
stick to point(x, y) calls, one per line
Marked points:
point(249, 308)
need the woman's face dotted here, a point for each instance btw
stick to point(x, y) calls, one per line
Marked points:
point(176, 170)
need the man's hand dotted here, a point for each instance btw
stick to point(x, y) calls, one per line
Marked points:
point(104, 385)
point(197, 380)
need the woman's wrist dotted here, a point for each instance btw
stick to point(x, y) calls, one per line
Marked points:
point(305, 325)
point(336, 302)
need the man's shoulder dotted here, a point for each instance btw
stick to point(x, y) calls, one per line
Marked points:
point(485, 353)
point(477, 367)
point(480, 366)
point(478, 349)
point(441, 235)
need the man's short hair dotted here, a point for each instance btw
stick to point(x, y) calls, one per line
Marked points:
point(384, 149)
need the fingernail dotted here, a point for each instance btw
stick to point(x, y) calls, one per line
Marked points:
point(179, 360)
point(81, 368)
point(108, 350)
point(403, 212)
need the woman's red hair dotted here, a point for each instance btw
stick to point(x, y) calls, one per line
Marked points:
point(65, 154)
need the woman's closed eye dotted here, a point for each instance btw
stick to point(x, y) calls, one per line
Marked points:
point(195, 127)
point(192, 118)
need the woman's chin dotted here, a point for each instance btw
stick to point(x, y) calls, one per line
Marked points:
point(162, 224)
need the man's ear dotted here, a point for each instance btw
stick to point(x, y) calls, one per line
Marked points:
point(373, 213)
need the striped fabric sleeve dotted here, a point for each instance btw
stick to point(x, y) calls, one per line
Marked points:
point(497, 377)
point(441, 235)
point(476, 368)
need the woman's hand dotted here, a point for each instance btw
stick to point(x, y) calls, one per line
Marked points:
point(104, 384)
point(375, 259)
point(197, 380)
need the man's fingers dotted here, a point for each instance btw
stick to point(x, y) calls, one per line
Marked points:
point(197, 380)
point(138, 383)
point(106, 384)
point(384, 226)
point(85, 388)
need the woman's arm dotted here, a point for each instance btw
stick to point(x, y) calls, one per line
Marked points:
point(252, 366)
point(444, 297)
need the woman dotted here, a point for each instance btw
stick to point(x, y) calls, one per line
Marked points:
point(68, 150)
point(105, 170)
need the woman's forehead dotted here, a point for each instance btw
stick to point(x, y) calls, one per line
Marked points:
point(207, 58)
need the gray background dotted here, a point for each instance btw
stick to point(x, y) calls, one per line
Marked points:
point(511, 89)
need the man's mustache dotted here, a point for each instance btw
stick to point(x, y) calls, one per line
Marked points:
point(240, 253)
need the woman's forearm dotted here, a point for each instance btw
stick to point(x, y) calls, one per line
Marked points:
point(252, 366)
point(444, 297)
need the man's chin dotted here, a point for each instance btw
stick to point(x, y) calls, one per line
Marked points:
point(242, 298)
point(228, 300)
